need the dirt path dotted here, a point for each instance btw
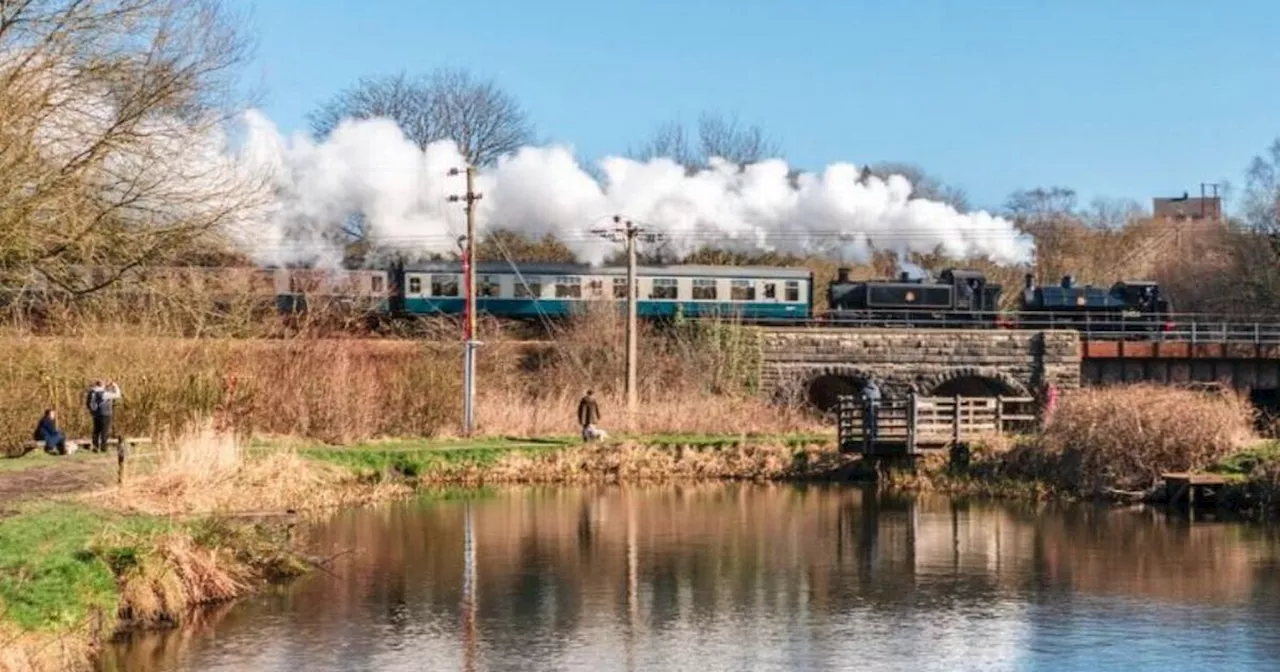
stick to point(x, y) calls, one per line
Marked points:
point(47, 477)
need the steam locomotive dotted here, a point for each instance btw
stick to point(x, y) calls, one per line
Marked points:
point(965, 298)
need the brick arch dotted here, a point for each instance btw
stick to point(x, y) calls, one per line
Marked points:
point(929, 385)
point(821, 383)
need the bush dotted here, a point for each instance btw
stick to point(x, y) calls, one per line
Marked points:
point(1124, 437)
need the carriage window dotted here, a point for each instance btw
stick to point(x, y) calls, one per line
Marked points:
point(704, 289)
point(488, 286)
point(596, 286)
point(568, 287)
point(742, 290)
point(415, 285)
point(793, 290)
point(444, 285)
point(619, 288)
point(663, 288)
point(375, 284)
point(532, 290)
point(770, 290)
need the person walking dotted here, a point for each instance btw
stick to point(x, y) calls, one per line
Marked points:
point(588, 415)
point(55, 443)
point(100, 401)
point(870, 411)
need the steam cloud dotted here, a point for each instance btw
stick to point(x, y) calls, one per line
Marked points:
point(368, 167)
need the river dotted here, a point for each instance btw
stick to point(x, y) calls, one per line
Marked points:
point(749, 577)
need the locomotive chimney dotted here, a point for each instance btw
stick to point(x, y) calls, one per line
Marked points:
point(904, 277)
point(1068, 282)
point(842, 275)
point(1028, 281)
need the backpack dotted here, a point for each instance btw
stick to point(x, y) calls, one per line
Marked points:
point(96, 400)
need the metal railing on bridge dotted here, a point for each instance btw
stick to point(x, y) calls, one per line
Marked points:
point(1179, 327)
point(916, 424)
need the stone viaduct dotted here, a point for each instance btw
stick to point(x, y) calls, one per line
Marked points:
point(817, 364)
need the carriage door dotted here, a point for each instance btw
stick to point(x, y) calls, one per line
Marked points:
point(770, 291)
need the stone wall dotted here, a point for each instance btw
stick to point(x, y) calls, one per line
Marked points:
point(926, 358)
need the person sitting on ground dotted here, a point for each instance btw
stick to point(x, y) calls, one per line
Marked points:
point(588, 416)
point(47, 432)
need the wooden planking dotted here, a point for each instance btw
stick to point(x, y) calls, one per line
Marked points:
point(933, 422)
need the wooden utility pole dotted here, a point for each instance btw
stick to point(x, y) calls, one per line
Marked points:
point(469, 343)
point(631, 321)
point(627, 231)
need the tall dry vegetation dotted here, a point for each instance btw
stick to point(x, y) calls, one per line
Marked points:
point(696, 377)
point(1125, 437)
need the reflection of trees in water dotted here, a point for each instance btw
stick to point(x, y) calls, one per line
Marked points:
point(552, 564)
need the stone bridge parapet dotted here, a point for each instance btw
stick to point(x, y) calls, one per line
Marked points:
point(932, 360)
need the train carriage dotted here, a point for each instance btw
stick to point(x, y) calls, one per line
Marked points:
point(559, 290)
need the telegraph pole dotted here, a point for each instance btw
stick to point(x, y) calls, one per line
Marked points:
point(469, 344)
point(627, 231)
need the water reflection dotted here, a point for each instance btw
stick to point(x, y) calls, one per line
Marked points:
point(716, 577)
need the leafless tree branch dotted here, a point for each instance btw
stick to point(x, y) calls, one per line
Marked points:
point(485, 121)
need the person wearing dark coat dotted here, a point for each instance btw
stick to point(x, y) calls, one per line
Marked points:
point(870, 412)
point(47, 432)
point(588, 415)
point(100, 401)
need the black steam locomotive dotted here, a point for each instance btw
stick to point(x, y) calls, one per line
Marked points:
point(1126, 306)
point(958, 297)
point(965, 298)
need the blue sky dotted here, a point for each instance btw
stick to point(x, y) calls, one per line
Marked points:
point(1126, 98)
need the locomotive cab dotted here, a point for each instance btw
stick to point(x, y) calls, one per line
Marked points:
point(972, 291)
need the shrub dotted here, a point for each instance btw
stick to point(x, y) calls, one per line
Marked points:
point(1124, 437)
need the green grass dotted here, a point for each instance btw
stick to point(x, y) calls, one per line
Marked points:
point(1244, 462)
point(52, 572)
point(38, 458)
point(415, 457)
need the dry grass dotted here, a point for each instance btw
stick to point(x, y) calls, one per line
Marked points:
point(696, 377)
point(207, 472)
point(640, 463)
point(1124, 437)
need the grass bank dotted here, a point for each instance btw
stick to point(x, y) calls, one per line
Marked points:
point(563, 460)
point(71, 576)
point(77, 568)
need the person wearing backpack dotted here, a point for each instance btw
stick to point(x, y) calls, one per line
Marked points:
point(100, 401)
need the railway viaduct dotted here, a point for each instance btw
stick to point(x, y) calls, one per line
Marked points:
point(819, 363)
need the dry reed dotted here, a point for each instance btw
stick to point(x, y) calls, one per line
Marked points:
point(206, 472)
point(639, 463)
point(1124, 437)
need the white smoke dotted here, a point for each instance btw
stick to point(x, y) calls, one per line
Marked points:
point(369, 167)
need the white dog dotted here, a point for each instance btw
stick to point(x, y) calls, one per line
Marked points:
point(593, 433)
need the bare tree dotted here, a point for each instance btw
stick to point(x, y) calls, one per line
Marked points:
point(923, 184)
point(1261, 198)
point(1112, 213)
point(111, 119)
point(716, 136)
point(485, 121)
point(1042, 204)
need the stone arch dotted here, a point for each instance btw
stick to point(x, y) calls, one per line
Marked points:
point(973, 382)
point(823, 385)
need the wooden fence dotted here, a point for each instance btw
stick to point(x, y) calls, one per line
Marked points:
point(918, 424)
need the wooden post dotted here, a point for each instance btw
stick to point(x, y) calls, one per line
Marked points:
point(121, 452)
point(999, 414)
point(955, 421)
point(911, 422)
